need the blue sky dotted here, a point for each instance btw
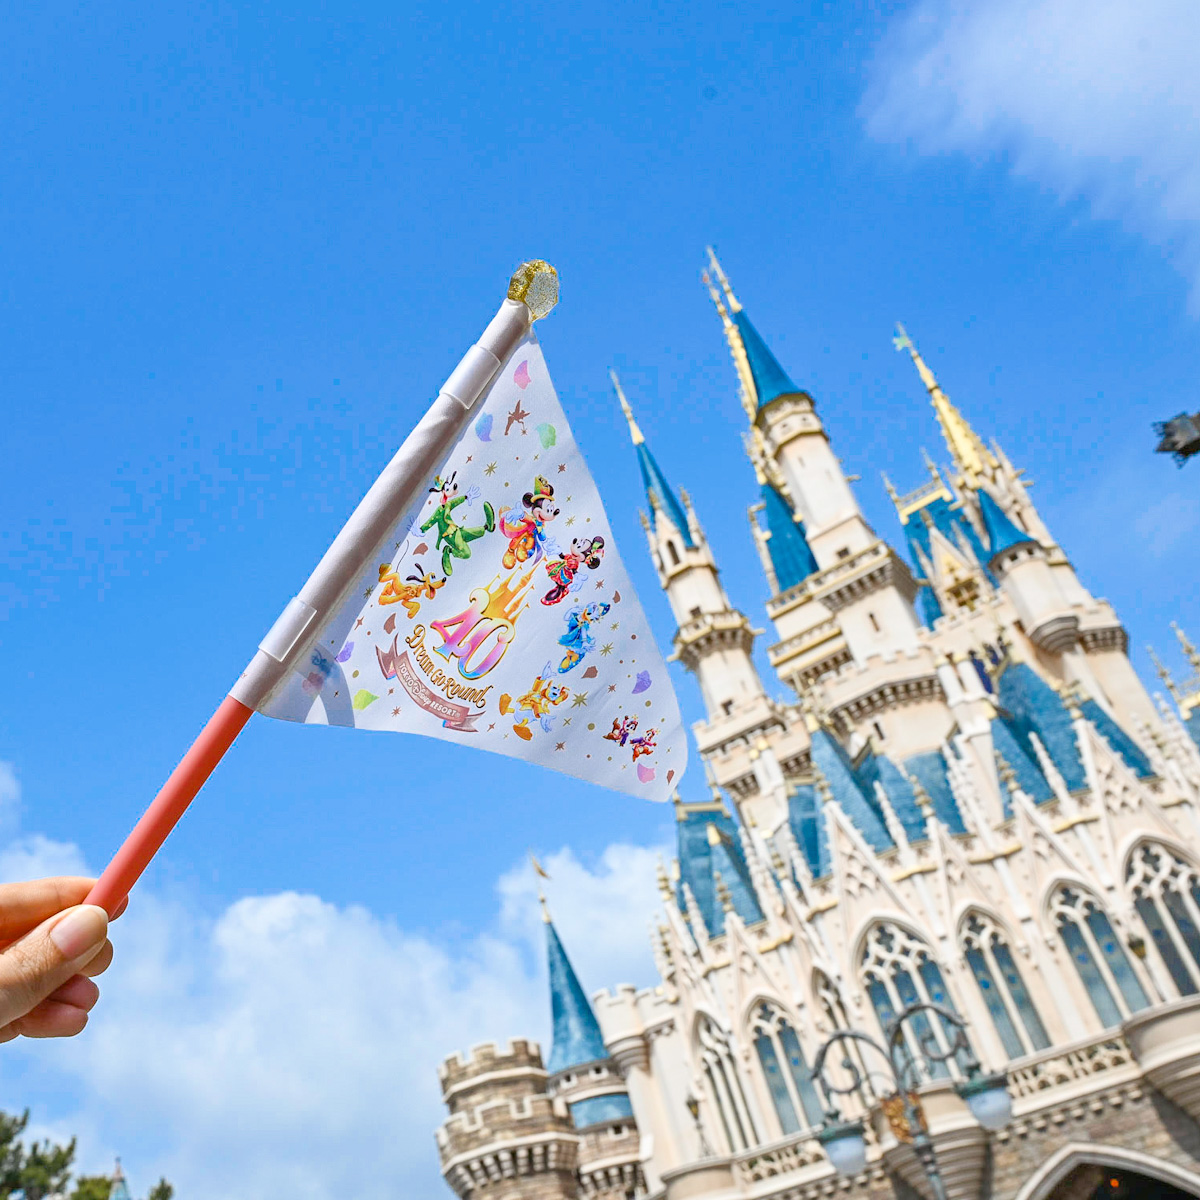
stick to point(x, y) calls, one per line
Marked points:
point(243, 249)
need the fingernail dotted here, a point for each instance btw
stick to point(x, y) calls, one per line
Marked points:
point(82, 929)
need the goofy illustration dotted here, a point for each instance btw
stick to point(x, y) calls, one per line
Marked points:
point(452, 539)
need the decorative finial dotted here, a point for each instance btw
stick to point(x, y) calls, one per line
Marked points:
point(1163, 674)
point(1188, 648)
point(822, 785)
point(541, 873)
point(634, 432)
point(891, 491)
point(931, 466)
point(535, 284)
point(966, 447)
point(1070, 694)
point(664, 882)
point(716, 299)
point(1007, 775)
point(734, 306)
point(724, 896)
point(922, 797)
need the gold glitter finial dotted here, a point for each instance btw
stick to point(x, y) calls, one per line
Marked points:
point(535, 284)
point(724, 896)
point(634, 432)
point(664, 883)
point(1007, 775)
point(723, 279)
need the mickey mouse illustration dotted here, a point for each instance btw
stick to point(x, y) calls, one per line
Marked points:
point(526, 535)
point(562, 571)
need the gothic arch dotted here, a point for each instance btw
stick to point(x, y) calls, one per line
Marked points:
point(1041, 1184)
point(1142, 838)
point(900, 921)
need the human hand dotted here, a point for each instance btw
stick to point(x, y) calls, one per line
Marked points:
point(51, 944)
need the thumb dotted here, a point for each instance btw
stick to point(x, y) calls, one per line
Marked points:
point(46, 957)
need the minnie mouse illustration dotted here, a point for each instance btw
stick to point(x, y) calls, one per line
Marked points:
point(527, 536)
point(583, 552)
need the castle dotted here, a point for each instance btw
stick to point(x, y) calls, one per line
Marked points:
point(969, 798)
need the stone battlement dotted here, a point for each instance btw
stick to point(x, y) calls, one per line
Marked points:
point(499, 1121)
point(488, 1059)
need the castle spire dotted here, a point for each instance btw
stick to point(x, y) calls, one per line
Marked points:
point(966, 446)
point(120, 1189)
point(659, 493)
point(576, 1037)
point(723, 279)
point(635, 434)
point(1188, 648)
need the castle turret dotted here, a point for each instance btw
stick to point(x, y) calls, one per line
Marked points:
point(589, 1082)
point(714, 640)
point(505, 1139)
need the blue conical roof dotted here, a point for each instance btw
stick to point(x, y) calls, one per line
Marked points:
point(1034, 707)
point(120, 1188)
point(660, 494)
point(807, 822)
point(1011, 744)
point(929, 769)
point(862, 808)
point(576, 1038)
point(1002, 534)
point(708, 843)
point(1118, 739)
point(791, 557)
point(770, 380)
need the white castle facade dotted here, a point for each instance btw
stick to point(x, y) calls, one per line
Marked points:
point(969, 798)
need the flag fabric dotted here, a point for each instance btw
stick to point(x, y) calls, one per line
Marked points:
point(498, 613)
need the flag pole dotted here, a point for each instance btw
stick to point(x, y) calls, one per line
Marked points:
point(532, 293)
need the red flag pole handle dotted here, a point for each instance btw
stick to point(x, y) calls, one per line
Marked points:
point(169, 805)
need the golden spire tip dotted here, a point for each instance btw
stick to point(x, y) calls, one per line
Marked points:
point(722, 279)
point(634, 432)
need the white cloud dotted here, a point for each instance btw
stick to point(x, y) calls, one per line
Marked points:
point(290, 1047)
point(1092, 98)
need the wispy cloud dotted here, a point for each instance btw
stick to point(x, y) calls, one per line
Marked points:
point(290, 1045)
point(1095, 99)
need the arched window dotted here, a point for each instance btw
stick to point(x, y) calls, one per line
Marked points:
point(1088, 935)
point(725, 1088)
point(1004, 992)
point(788, 1076)
point(898, 971)
point(1166, 893)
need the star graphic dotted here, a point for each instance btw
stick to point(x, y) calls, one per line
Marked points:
point(566, 722)
point(391, 690)
point(536, 457)
point(395, 712)
point(600, 585)
point(612, 687)
point(615, 625)
point(491, 726)
point(367, 593)
point(358, 622)
point(469, 457)
point(560, 745)
point(562, 467)
point(580, 700)
point(490, 469)
point(606, 649)
point(571, 520)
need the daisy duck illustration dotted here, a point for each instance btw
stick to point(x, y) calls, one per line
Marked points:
point(543, 696)
point(622, 730)
point(579, 638)
point(527, 534)
point(452, 539)
point(584, 552)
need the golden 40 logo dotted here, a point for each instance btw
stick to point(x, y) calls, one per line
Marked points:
point(479, 636)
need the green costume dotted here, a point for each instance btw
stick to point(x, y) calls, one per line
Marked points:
point(451, 536)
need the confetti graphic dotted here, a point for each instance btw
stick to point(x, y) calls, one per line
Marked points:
point(488, 618)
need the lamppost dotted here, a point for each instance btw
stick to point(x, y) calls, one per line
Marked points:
point(986, 1095)
point(693, 1107)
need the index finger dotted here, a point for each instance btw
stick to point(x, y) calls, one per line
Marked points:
point(24, 905)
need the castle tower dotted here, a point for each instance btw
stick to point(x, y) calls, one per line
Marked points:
point(120, 1188)
point(713, 640)
point(584, 1077)
point(857, 576)
point(505, 1138)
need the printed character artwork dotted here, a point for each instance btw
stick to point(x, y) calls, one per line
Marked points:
point(644, 745)
point(452, 539)
point(543, 696)
point(527, 534)
point(579, 638)
point(412, 591)
point(564, 571)
point(622, 730)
